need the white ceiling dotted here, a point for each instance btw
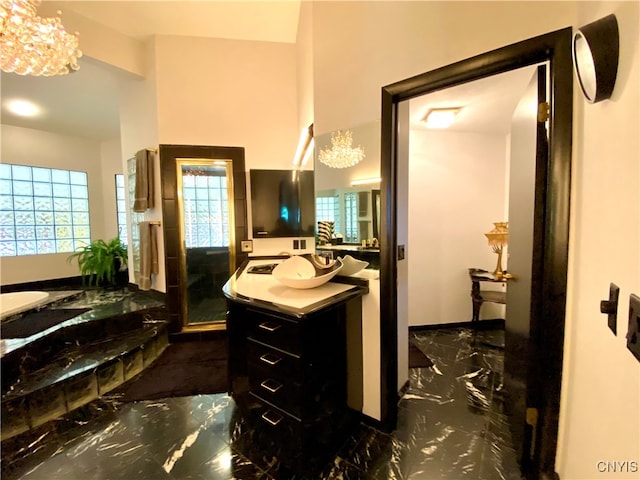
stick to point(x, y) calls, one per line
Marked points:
point(487, 105)
point(85, 103)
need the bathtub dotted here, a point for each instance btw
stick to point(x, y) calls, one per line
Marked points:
point(16, 302)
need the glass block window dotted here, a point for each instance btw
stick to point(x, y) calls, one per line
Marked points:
point(42, 210)
point(134, 219)
point(121, 209)
point(351, 217)
point(206, 213)
point(328, 208)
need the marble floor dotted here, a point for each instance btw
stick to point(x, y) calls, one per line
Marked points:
point(450, 426)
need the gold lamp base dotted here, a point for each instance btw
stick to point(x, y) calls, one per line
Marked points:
point(498, 271)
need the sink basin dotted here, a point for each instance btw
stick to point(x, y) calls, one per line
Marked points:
point(302, 273)
point(351, 266)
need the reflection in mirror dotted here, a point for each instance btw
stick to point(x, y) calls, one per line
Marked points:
point(206, 230)
point(350, 197)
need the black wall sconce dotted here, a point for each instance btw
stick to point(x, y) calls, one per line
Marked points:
point(595, 51)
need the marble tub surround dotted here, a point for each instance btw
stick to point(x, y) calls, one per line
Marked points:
point(52, 373)
point(103, 304)
point(450, 426)
point(53, 299)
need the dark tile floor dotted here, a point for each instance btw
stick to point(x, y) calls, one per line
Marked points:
point(450, 426)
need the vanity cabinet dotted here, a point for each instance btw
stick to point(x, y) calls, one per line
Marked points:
point(291, 375)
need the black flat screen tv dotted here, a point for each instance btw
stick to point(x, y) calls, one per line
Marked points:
point(282, 203)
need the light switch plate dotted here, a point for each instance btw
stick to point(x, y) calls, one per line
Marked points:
point(633, 334)
point(610, 307)
point(246, 246)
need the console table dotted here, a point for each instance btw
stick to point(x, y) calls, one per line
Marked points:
point(479, 296)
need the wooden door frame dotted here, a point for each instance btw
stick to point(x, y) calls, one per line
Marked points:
point(555, 48)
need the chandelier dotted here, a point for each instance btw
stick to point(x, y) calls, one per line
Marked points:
point(33, 45)
point(341, 154)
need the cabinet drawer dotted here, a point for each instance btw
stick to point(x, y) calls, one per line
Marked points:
point(269, 361)
point(275, 331)
point(278, 391)
point(276, 431)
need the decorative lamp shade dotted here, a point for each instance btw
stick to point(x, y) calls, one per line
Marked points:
point(325, 231)
point(499, 236)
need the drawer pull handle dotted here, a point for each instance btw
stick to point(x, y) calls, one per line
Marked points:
point(270, 359)
point(271, 385)
point(272, 418)
point(270, 326)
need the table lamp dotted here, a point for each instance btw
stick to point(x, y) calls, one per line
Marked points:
point(498, 238)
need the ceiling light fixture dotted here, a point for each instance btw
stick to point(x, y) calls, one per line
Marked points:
point(23, 108)
point(441, 117)
point(33, 45)
point(341, 154)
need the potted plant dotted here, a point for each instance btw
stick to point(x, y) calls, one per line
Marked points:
point(101, 261)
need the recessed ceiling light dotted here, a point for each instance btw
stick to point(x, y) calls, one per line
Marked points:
point(24, 108)
point(441, 117)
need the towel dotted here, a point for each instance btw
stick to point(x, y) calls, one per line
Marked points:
point(148, 254)
point(144, 181)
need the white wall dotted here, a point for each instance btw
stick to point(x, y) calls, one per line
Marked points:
point(139, 130)
point(231, 93)
point(25, 146)
point(456, 192)
point(600, 418)
point(304, 65)
point(111, 164)
point(360, 47)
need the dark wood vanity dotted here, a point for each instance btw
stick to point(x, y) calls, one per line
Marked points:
point(296, 372)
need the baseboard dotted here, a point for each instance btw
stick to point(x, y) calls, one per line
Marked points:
point(489, 323)
point(371, 422)
point(199, 336)
point(403, 390)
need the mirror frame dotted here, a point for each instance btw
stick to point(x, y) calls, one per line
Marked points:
point(169, 156)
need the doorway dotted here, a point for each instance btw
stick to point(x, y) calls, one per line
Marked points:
point(202, 242)
point(549, 255)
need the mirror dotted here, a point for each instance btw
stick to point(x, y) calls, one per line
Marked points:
point(206, 225)
point(350, 197)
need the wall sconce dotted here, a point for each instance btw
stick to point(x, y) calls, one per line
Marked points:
point(305, 147)
point(366, 181)
point(595, 52)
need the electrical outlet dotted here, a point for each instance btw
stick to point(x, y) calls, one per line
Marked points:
point(246, 246)
point(633, 334)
